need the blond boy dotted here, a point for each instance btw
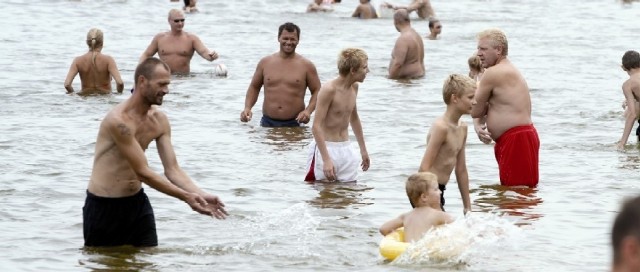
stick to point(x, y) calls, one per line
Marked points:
point(447, 138)
point(424, 195)
point(331, 157)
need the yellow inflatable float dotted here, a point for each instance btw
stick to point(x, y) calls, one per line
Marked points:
point(393, 245)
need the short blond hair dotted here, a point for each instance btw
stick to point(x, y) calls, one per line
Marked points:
point(456, 84)
point(419, 183)
point(351, 58)
point(497, 37)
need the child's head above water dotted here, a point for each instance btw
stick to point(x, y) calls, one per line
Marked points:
point(419, 184)
point(456, 84)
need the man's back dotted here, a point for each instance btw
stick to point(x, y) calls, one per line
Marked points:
point(410, 46)
point(510, 102)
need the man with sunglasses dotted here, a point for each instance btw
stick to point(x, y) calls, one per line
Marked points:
point(631, 91)
point(176, 47)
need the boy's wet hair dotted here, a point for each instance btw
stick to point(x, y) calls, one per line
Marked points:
point(631, 60)
point(351, 59)
point(456, 84)
point(417, 184)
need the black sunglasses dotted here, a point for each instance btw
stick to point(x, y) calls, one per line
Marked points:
point(178, 20)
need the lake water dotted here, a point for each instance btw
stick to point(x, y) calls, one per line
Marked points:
point(568, 51)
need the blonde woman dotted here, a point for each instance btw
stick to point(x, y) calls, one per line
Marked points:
point(96, 69)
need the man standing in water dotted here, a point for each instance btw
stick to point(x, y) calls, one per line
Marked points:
point(176, 47)
point(631, 91)
point(116, 210)
point(503, 112)
point(96, 69)
point(625, 237)
point(286, 75)
point(407, 58)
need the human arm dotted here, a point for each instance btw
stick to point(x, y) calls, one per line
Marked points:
point(325, 96)
point(357, 12)
point(179, 177)
point(631, 114)
point(313, 83)
point(415, 5)
point(398, 57)
point(252, 93)
point(124, 138)
point(73, 71)
point(202, 50)
point(356, 126)
point(462, 175)
point(113, 71)
point(435, 140)
point(151, 50)
point(481, 106)
point(392, 225)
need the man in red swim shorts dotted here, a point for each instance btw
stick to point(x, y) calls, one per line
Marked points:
point(502, 112)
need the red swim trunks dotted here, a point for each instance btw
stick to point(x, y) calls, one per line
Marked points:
point(517, 155)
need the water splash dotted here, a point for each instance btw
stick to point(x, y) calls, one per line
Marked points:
point(464, 242)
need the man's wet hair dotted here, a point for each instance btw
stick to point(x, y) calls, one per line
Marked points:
point(631, 60)
point(290, 27)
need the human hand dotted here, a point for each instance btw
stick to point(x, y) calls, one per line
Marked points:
point(466, 211)
point(215, 205)
point(245, 115)
point(303, 117)
point(619, 146)
point(624, 105)
point(213, 55)
point(198, 204)
point(365, 161)
point(483, 134)
point(329, 171)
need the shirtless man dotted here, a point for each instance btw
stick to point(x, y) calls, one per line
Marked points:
point(503, 112)
point(331, 157)
point(95, 68)
point(116, 210)
point(421, 7)
point(435, 28)
point(365, 10)
point(407, 58)
point(286, 75)
point(176, 47)
point(631, 91)
point(319, 6)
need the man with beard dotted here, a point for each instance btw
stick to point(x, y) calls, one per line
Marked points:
point(286, 75)
point(116, 210)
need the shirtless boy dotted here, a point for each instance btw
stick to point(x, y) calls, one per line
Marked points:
point(96, 69)
point(447, 138)
point(176, 47)
point(407, 57)
point(331, 157)
point(631, 91)
point(424, 195)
